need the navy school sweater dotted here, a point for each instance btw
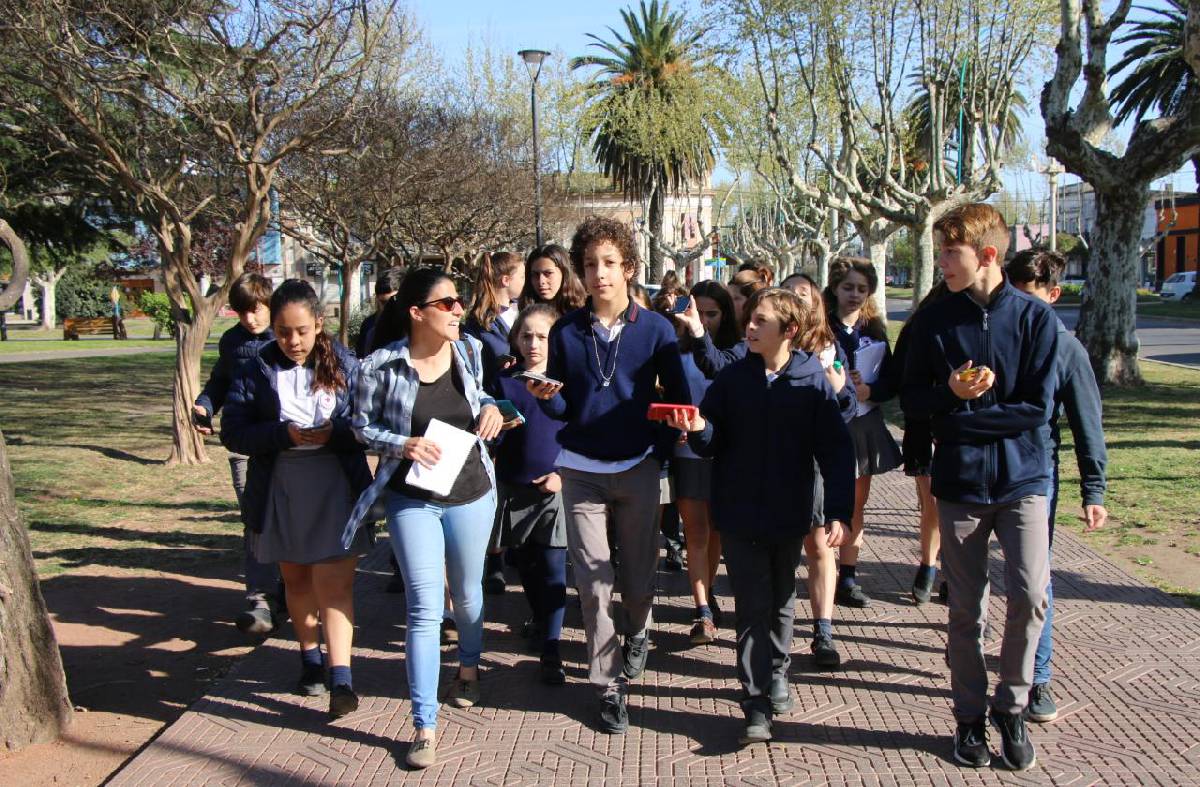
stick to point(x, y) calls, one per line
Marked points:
point(495, 344)
point(1077, 395)
point(609, 422)
point(992, 449)
point(763, 438)
point(237, 346)
point(528, 451)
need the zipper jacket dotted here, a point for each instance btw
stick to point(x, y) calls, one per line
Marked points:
point(251, 426)
point(382, 414)
point(992, 449)
point(763, 437)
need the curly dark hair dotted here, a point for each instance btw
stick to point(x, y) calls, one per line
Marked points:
point(598, 229)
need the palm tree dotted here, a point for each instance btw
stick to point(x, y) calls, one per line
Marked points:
point(1160, 78)
point(647, 115)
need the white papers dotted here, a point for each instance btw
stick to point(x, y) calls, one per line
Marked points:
point(455, 445)
point(868, 361)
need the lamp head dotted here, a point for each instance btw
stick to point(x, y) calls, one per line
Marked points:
point(533, 61)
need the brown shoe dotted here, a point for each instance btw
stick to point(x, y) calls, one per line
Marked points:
point(463, 693)
point(704, 631)
point(421, 754)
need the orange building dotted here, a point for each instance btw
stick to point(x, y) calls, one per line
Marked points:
point(1179, 249)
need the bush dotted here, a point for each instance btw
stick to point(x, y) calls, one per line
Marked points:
point(1072, 289)
point(80, 294)
point(355, 324)
point(157, 307)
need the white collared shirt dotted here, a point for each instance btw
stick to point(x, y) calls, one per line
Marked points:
point(298, 403)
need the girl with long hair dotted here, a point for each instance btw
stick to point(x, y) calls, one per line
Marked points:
point(863, 336)
point(550, 279)
point(748, 280)
point(693, 473)
point(430, 372)
point(532, 521)
point(288, 409)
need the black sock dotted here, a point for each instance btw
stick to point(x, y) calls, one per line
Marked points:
point(846, 575)
point(925, 574)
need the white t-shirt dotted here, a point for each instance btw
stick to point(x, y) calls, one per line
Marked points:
point(298, 403)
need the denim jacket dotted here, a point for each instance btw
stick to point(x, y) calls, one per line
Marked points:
point(382, 413)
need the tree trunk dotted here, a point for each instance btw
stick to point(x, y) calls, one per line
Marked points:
point(1108, 315)
point(20, 267)
point(48, 286)
point(655, 272)
point(349, 271)
point(923, 259)
point(190, 336)
point(874, 237)
point(34, 707)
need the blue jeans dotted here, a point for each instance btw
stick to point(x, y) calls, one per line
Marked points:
point(1045, 648)
point(434, 544)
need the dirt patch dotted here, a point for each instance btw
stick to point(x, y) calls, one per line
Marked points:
point(138, 647)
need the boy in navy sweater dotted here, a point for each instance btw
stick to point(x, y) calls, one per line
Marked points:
point(1077, 395)
point(606, 359)
point(765, 419)
point(250, 297)
point(981, 370)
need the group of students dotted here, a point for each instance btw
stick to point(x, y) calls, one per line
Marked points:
point(589, 408)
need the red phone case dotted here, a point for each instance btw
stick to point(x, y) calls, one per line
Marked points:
point(660, 410)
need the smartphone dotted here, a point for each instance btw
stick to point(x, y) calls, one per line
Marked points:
point(505, 361)
point(660, 411)
point(681, 304)
point(204, 420)
point(535, 377)
point(509, 411)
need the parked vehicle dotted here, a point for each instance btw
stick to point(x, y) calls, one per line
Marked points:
point(1180, 286)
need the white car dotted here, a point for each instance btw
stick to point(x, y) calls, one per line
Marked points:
point(1180, 286)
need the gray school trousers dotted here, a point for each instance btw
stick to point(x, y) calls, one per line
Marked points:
point(631, 498)
point(1022, 529)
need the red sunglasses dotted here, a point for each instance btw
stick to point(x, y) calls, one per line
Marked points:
point(446, 304)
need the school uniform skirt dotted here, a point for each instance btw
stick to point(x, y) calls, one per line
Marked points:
point(527, 514)
point(693, 478)
point(875, 449)
point(308, 504)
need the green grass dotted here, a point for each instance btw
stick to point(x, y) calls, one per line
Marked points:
point(900, 293)
point(87, 438)
point(27, 339)
point(1171, 309)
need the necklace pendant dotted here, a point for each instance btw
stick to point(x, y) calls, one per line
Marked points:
point(606, 383)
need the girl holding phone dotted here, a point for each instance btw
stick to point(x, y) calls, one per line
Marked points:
point(430, 372)
point(288, 409)
point(532, 522)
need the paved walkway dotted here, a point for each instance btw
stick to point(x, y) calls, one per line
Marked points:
point(1128, 687)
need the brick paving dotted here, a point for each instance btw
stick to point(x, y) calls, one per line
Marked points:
point(1127, 682)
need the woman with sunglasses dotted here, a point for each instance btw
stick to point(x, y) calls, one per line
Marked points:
point(429, 370)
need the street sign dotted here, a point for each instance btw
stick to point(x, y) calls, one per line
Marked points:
point(314, 268)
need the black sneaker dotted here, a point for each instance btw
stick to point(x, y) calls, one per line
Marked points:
point(257, 620)
point(1015, 746)
point(825, 655)
point(493, 583)
point(342, 700)
point(852, 596)
point(614, 715)
point(780, 695)
point(971, 744)
point(312, 681)
point(674, 561)
point(922, 589)
point(636, 649)
point(1041, 704)
point(758, 725)
point(552, 671)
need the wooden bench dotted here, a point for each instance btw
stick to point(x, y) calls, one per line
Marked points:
point(74, 327)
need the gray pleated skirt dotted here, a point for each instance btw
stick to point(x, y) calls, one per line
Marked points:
point(875, 449)
point(308, 504)
point(525, 513)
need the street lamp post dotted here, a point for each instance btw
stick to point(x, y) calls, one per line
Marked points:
point(533, 64)
point(1052, 171)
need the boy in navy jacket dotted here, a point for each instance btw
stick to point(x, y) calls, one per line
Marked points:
point(1077, 395)
point(249, 297)
point(981, 369)
point(606, 359)
point(764, 419)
